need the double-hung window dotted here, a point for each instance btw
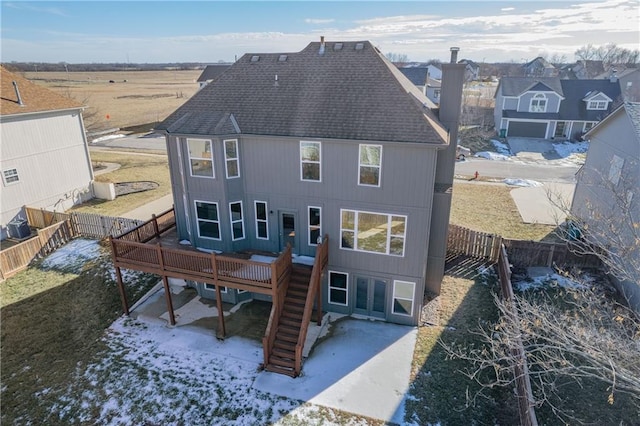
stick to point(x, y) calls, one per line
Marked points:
point(208, 220)
point(10, 176)
point(262, 221)
point(201, 157)
point(315, 226)
point(373, 232)
point(370, 162)
point(338, 288)
point(231, 158)
point(237, 222)
point(403, 295)
point(310, 154)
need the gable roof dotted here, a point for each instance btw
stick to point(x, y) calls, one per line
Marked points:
point(350, 91)
point(516, 86)
point(211, 72)
point(632, 110)
point(35, 98)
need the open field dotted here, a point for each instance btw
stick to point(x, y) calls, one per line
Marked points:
point(145, 97)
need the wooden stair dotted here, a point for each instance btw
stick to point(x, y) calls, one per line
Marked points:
point(282, 357)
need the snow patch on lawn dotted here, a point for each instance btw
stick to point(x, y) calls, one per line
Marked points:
point(501, 147)
point(73, 256)
point(107, 138)
point(492, 156)
point(522, 182)
point(548, 281)
point(565, 149)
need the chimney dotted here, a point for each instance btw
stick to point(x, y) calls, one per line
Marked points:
point(321, 45)
point(454, 54)
point(15, 87)
point(613, 77)
point(449, 115)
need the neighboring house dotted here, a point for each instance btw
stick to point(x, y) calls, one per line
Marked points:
point(434, 70)
point(472, 71)
point(433, 90)
point(420, 77)
point(284, 148)
point(211, 73)
point(539, 67)
point(629, 81)
point(551, 108)
point(44, 155)
point(606, 201)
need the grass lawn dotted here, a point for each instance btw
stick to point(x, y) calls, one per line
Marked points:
point(133, 167)
point(52, 323)
point(490, 208)
point(439, 391)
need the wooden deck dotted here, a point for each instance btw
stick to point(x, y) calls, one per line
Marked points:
point(154, 247)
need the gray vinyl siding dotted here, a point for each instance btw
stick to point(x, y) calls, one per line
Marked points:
point(270, 172)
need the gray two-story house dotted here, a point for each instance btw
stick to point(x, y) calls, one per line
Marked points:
point(328, 156)
point(550, 108)
point(284, 148)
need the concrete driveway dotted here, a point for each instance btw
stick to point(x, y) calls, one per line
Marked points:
point(532, 149)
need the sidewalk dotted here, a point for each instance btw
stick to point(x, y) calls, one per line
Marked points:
point(155, 207)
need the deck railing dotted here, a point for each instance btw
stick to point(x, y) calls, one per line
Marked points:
point(319, 264)
point(151, 229)
point(283, 264)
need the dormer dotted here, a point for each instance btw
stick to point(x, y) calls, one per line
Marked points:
point(597, 100)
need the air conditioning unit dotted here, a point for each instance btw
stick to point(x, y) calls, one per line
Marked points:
point(19, 229)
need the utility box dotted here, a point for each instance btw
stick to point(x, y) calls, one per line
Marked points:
point(19, 229)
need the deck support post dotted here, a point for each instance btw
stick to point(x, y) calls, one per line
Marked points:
point(123, 294)
point(319, 301)
point(167, 296)
point(222, 332)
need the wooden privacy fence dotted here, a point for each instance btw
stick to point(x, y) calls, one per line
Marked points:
point(56, 229)
point(524, 392)
point(473, 243)
point(18, 257)
point(85, 224)
point(538, 253)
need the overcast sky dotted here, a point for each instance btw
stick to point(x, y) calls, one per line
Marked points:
point(212, 31)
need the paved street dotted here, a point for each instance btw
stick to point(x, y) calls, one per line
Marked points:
point(550, 171)
point(153, 142)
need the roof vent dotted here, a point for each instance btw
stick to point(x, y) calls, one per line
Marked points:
point(337, 46)
point(321, 52)
point(282, 58)
point(359, 46)
point(255, 58)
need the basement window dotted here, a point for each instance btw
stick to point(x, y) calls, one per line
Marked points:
point(10, 176)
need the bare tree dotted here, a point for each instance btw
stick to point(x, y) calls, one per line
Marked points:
point(610, 54)
point(399, 59)
point(576, 336)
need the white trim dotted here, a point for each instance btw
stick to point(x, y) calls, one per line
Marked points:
point(13, 174)
point(212, 287)
point(265, 220)
point(319, 162)
point(412, 300)
point(232, 221)
point(228, 159)
point(596, 105)
point(195, 206)
point(388, 229)
point(584, 126)
point(346, 289)
point(309, 226)
point(213, 167)
point(539, 96)
point(360, 165)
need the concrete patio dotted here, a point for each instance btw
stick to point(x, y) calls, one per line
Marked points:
point(351, 364)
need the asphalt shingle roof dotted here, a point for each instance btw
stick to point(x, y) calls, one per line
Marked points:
point(35, 98)
point(211, 72)
point(351, 91)
point(633, 111)
point(515, 86)
point(573, 107)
